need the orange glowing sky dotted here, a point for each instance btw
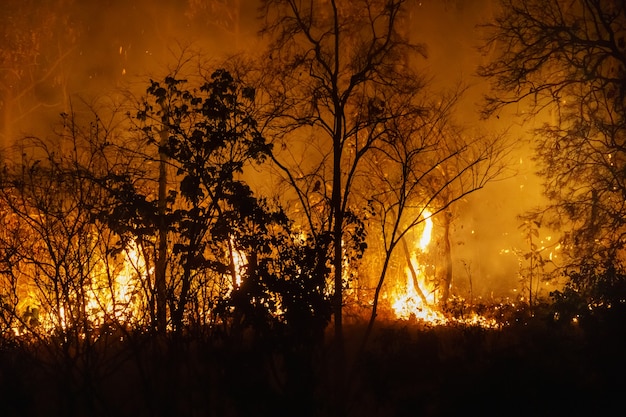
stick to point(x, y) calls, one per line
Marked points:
point(120, 44)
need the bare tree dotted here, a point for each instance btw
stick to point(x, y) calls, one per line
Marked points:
point(566, 62)
point(422, 168)
point(59, 269)
point(336, 67)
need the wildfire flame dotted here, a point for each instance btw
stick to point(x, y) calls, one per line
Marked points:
point(239, 263)
point(110, 296)
point(418, 298)
point(428, 230)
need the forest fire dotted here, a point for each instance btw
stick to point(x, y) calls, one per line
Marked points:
point(312, 207)
point(111, 296)
point(239, 262)
point(418, 298)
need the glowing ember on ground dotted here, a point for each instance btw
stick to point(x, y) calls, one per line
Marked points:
point(410, 305)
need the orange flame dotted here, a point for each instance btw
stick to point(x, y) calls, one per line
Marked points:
point(414, 302)
point(111, 294)
point(418, 303)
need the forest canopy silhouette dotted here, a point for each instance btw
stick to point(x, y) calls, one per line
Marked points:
point(289, 227)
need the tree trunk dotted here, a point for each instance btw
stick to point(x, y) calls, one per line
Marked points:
point(339, 354)
point(447, 258)
point(338, 252)
point(416, 284)
point(161, 261)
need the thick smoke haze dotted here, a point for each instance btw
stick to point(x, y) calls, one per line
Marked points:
point(56, 55)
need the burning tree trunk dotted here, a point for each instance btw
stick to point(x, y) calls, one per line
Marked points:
point(414, 275)
point(407, 175)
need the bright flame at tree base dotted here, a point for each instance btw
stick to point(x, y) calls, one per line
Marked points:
point(410, 305)
point(417, 300)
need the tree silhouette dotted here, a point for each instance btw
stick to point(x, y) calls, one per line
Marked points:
point(424, 165)
point(566, 60)
point(336, 67)
point(355, 134)
point(210, 139)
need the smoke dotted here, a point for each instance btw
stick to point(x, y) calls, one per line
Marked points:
point(488, 245)
point(85, 50)
point(57, 54)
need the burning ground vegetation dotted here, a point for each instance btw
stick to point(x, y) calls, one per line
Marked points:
point(117, 292)
point(97, 355)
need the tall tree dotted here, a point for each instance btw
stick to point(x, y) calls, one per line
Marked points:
point(355, 132)
point(209, 139)
point(566, 60)
point(336, 65)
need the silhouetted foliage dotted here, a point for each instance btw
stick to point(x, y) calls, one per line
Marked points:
point(258, 272)
point(593, 293)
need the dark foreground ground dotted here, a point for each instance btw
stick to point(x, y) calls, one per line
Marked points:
point(533, 367)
